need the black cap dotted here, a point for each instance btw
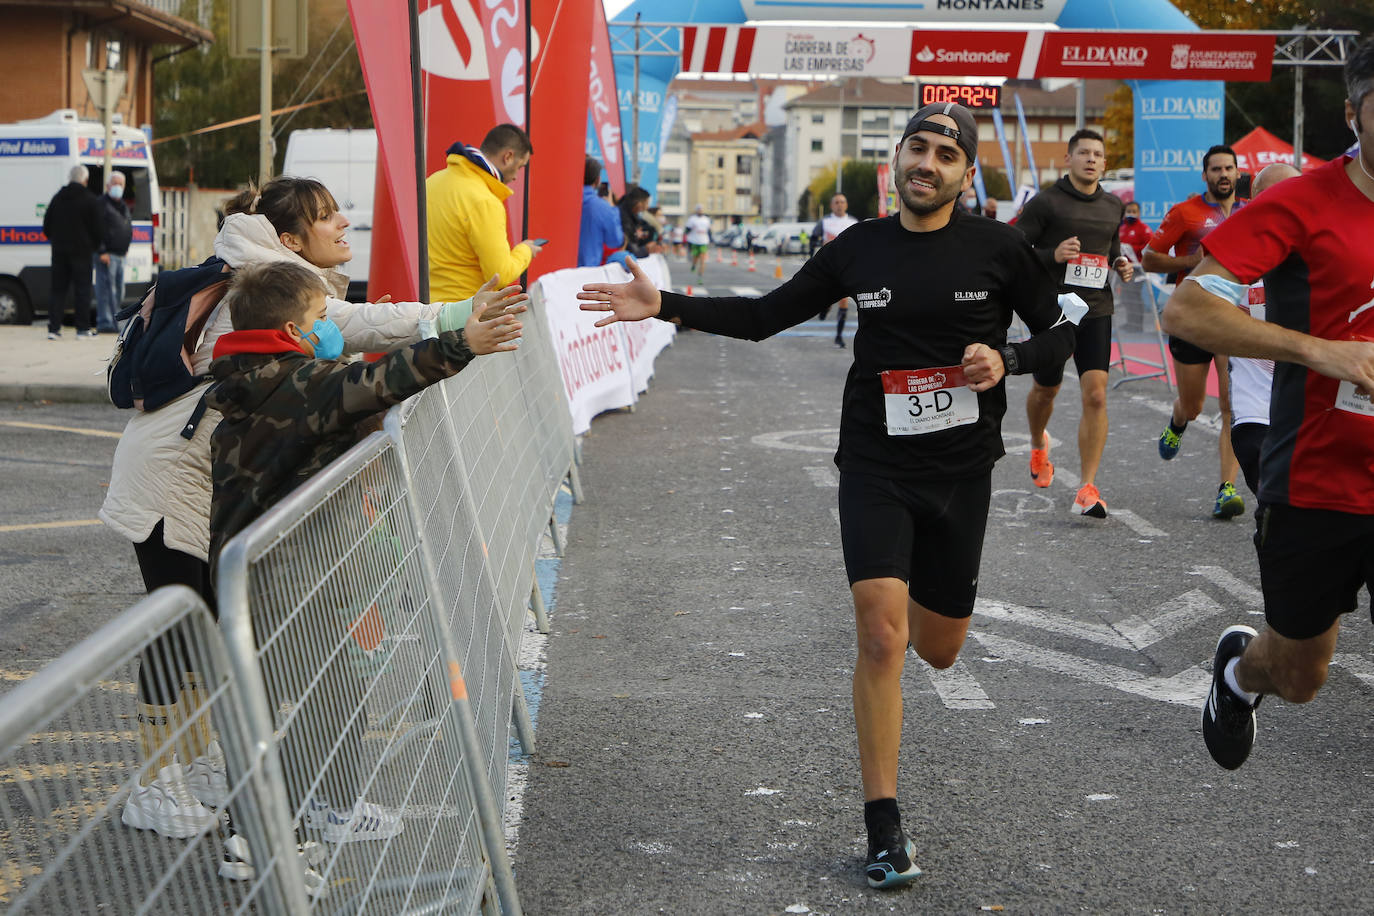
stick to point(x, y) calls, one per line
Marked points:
point(965, 133)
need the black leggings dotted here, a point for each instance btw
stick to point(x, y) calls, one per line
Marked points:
point(164, 661)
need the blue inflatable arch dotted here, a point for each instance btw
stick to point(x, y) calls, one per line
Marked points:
point(1167, 145)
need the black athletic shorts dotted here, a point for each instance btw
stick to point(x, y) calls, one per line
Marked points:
point(1246, 441)
point(1187, 353)
point(1312, 563)
point(1092, 349)
point(929, 534)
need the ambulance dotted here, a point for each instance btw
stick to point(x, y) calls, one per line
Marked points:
point(36, 157)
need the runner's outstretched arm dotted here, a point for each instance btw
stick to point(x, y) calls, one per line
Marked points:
point(746, 317)
point(1210, 322)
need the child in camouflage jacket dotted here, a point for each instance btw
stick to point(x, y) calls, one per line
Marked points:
point(289, 409)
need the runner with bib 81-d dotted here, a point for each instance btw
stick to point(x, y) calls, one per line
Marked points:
point(920, 429)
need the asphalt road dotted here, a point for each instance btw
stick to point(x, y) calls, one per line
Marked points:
point(696, 750)
point(696, 737)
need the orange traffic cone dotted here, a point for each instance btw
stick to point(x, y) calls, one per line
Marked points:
point(777, 271)
point(689, 289)
point(720, 256)
point(751, 259)
point(734, 258)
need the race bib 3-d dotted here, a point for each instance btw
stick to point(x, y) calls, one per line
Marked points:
point(920, 401)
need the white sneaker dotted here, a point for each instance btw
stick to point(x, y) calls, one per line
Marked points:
point(207, 778)
point(238, 864)
point(167, 807)
point(365, 821)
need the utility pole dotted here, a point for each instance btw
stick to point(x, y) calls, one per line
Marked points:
point(265, 96)
point(634, 135)
point(105, 88)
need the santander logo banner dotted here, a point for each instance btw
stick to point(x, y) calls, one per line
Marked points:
point(966, 53)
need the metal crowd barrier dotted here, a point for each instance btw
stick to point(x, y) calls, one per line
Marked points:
point(1149, 287)
point(360, 687)
point(69, 736)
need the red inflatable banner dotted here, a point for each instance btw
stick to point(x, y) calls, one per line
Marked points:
point(604, 102)
point(383, 35)
point(558, 117)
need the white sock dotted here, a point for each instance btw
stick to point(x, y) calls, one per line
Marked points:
point(1229, 676)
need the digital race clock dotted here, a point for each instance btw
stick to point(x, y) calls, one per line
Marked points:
point(966, 94)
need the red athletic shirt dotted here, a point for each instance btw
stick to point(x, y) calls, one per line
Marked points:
point(1137, 235)
point(1308, 237)
point(1186, 224)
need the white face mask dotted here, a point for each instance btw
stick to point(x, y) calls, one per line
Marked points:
point(116, 191)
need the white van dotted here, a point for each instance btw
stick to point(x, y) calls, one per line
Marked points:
point(35, 159)
point(345, 162)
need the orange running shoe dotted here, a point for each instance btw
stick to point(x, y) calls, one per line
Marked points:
point(1042, 472)
point(1090, 502)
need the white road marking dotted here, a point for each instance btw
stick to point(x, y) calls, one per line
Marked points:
point(822, 477)
point(101, 433)
point(958, 688)
point(1358, 665)
point(746, 291)
point(1131, 633)
point(1224, 580)
point(1136, 523)
point(1187, 688)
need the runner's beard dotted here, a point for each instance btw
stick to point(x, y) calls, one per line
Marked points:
point(944, 193)
point(1217, 193)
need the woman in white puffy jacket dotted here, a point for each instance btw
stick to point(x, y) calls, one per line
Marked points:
point(159, 493)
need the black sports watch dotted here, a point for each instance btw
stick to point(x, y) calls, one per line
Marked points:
point(1010, 360)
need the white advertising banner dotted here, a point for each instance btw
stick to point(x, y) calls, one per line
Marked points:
point(602, 368)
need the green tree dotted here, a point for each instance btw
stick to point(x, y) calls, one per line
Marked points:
point(1270, 105)
point(206, 87)
point(860, 187)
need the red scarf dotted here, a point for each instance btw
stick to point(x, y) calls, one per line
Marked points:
point(264, 342)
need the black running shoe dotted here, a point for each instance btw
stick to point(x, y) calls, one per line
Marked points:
point(1228, 721)
point(889, 861)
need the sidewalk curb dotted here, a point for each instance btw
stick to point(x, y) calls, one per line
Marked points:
point(55, 393)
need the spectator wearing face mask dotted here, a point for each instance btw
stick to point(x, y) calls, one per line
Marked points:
point(117, 231)
point(1135, 232)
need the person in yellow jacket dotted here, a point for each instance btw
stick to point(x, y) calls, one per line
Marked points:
point(468, 243)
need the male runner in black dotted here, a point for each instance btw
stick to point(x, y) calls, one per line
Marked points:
point(920, 429)
point(1075, 228)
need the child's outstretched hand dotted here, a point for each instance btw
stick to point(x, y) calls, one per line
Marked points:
point(492, 335)
point(489, 301)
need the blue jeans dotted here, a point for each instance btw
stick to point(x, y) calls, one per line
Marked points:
point(109, 290)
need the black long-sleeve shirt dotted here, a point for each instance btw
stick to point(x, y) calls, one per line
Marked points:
point(1062, 212)
point(922, 298)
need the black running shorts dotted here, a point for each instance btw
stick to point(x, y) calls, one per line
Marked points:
point(1312, 563)
point(928, 534)
point(1092, 349)
point(1246, 441)
point(1186, 353)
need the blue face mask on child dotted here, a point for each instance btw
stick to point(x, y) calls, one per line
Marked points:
point(327, 338)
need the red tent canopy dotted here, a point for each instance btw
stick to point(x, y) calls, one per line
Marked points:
point(1259, 148)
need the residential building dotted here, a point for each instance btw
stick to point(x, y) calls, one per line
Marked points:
point(48, 43)
point(863, 119)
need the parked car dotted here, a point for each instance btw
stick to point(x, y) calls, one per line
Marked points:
point(726, 239)
point(749, 231)
point(784, 238)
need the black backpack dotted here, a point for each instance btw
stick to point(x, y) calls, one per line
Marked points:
point(151, 363)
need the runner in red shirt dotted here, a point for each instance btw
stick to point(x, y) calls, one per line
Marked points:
point(1315, 526)
point(1183, 229)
